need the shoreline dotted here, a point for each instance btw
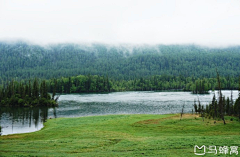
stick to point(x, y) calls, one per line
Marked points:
point(122, 135)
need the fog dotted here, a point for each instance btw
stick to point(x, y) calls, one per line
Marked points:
point(201, 22)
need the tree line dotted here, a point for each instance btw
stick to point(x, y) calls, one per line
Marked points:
point(36, 91)
point(220, 106)
point(25, 94)
point(81, 84)
point(96, 83)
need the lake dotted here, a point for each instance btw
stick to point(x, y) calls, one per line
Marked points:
point(23, 120)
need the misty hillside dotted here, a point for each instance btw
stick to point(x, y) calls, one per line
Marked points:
point(21, 60)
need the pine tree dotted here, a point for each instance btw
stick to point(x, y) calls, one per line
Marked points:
point(231, 111)
point(220, 102)
point(35, 89)
point(45, 93)
point(228, 106)
point(214, 106)
point(29, 89)
point(41, 90)
point(54, 88)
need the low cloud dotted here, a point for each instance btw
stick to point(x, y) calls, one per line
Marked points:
point(203, 22)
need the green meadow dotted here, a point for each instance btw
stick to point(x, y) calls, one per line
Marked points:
point(123, 135)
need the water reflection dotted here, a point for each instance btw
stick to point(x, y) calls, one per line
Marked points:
point(22, 120)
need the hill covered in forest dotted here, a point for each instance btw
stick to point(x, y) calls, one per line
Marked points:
point(21, 60)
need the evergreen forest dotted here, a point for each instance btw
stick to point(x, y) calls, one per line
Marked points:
point(28, 72)
point(21, 60)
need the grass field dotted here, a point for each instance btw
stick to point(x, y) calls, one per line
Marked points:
point(123, 135)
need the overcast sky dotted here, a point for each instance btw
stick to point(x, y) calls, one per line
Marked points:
point(206, 22)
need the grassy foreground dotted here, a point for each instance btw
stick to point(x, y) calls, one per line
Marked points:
point(123, 135)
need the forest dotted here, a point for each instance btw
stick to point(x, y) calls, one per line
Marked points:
point(28, 94)
point(28, 72)
point(35, 92)
point(96, 84)
point(21, 60)
point(220, 106)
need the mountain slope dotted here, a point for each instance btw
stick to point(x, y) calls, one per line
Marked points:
point(21, 60)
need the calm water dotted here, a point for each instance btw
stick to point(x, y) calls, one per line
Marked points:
point(22, 120)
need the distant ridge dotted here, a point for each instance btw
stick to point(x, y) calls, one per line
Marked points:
point(22, 60)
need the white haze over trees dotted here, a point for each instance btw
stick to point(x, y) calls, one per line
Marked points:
point(203, 22)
